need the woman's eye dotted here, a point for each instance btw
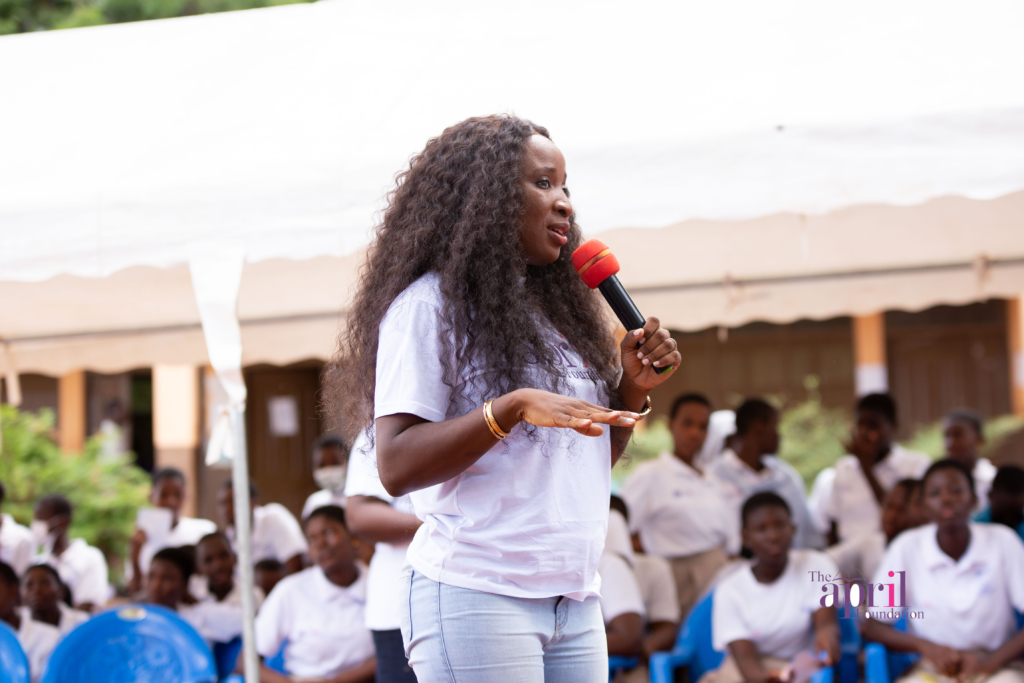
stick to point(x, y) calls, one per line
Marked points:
point(544, 183)
point(566, 191)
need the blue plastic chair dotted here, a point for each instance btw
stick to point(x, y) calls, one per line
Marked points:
point(694, 649)
point(276, 663)
point(132, 643)
point(13, 662)
point(848, 668)
point(226, 656)
point(617, 663)
point(882, 666)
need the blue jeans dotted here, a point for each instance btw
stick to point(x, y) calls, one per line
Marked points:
point(457, 635)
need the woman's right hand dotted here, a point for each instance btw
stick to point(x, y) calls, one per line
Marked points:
point(945, 659)
point(135, 543)
point(547, 409)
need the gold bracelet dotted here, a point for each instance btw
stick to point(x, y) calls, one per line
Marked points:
point(492, 424)
point(647, 408)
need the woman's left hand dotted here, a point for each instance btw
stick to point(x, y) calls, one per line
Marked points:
point(657, 350)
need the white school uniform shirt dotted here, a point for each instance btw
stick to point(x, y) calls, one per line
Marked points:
point(777, 617)
point(38, 639)
point(320, 498)
point(383, 579)
point(658, 588)
point(679, 511)
point(216, 622)
point(234, 596)
point(16, 544)
point(322, 622)
point(83, 569)
point(188, 531)
point(70, 618)
point(859, 557)
point(620, 591)
point(528, 519)
point(853, 505)
point(740, 481)
point(276, 534)
point(820, 498)
point(967, 604)
point(984, 472)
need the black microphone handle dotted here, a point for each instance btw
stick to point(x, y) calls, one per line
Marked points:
point(625, 310)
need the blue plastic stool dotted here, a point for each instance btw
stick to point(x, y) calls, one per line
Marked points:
point(13, 662)
point(226, 656)
point(617, 663)
point(132, 643)
point(848, 668)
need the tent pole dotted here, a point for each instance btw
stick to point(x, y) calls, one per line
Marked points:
point(243, 537)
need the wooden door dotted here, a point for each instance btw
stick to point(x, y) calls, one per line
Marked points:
point(282, 424)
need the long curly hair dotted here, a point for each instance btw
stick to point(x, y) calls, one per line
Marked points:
point(457, 211)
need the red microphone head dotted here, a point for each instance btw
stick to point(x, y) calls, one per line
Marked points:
point(595, 262)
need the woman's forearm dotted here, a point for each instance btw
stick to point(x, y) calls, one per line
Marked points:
point(1010, 651)
point(373, 520)
point(364, 673)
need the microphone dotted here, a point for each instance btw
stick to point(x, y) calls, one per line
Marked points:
point(597, 266)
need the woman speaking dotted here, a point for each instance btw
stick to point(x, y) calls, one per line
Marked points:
point(500, 405)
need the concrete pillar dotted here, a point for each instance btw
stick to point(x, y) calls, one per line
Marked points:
point(1015, 332)
point(872, 374)
point(176, 424)
point(71, 411)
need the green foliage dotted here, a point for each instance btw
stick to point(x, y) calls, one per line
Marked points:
point(811, 436)
point(647, 443)
point(106, 492)
point(21, 16)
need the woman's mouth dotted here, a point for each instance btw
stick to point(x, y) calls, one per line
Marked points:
point(560, 232)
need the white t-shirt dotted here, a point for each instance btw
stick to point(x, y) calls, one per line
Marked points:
point(321, 498)
point(276, 534)
point(216, 622)
point(528, 519)
point(678, 511)
point(658, 588)
point(984, 472)
point(383, 580)
point(858, 557)
point(83, 569)
point(820, 498)
point(37, 640)
point(853, 505)
point(740, 481)
point(322, 622)
point(967, 604)
point(188, 531)
point(16, 544)
point(620, 593)
point(776, 617)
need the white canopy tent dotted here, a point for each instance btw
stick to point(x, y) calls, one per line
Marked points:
point(731, 153)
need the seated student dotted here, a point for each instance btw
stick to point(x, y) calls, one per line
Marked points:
point(769, 611)
point(872, 468)
point(963, 436)
point(622, 605)
point(267, 574)
point(275, 531)
point(903, 509)
point(681, 513)
point(752, 467)
point(319, 611)
point(41, 591)
point(967, 579)
point(818, 501)
point(167, 585)
point(37, 638)
point(16, 545)
point(82, 568)
point(330, 472)
point(215, 561)
point(168, 492)
point(378, 517)
point(1006, 500)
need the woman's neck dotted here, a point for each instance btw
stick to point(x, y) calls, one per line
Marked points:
point(47, 615)
point(60, 544)
point(343, 575)
point(220, 592)
point(954, 539)
point(768, 572)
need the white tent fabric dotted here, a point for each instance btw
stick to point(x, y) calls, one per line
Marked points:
point(284, 126)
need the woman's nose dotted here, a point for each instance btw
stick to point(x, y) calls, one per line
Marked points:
point(563, 206)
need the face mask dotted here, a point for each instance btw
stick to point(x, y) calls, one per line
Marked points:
point(41, 534)
point(331, 478)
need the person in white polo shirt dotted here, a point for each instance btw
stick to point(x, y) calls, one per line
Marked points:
point(963, 435)
point(960, 582)
point(622, 603)
point(769, 611)
point(82, 568)
point(680, 513)
point(16, 544)
point(330, 472)
point(276, 533)
point(318, 614)
point(378, 517)
point(751, 467)
point(37, 639)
